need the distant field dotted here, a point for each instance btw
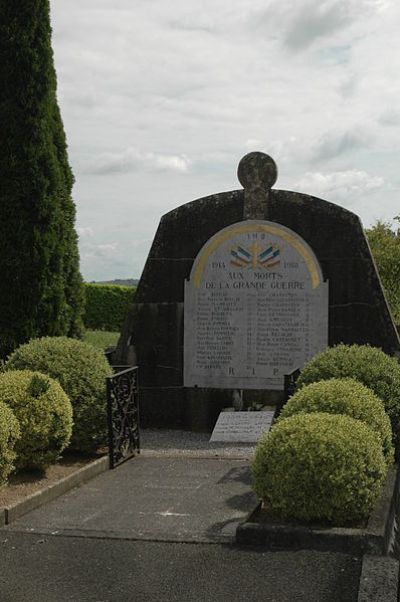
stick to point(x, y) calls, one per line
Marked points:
point(118, 281)
point(101, 338)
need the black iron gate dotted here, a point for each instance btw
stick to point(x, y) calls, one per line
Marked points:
point(123, 414)
point(290, 383)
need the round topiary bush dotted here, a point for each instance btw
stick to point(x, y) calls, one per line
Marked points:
point(369, 365)
point(9, 436)
point(81, 371)
point(319, 467)
point(44, 414)
point(344, 396)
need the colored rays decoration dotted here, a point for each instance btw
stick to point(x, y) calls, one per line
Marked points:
point(255, 256)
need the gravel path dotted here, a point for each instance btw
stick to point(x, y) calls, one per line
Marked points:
point(187, 443)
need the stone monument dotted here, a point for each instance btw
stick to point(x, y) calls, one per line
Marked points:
point(241, 289)
point(255, 308)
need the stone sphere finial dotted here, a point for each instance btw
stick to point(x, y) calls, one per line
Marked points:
point(257, 170)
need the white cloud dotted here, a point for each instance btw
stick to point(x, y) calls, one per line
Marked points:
point(315, 20)
point(85, 232)
point(390, 117)
point(100, 250)
point(170, 162)
point(333, 144)
point(132, 159)
point(253, 144)
point(340, 185)
point(107, 248)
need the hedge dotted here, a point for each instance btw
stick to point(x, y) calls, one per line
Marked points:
point(369, 365)
point(44, 413)
point(314, 467)
point(344, 396)
point(107, 305)
point(10, 433)
point(81, 371)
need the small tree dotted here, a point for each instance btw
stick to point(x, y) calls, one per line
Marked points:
point(384, 240)
point(41, 289)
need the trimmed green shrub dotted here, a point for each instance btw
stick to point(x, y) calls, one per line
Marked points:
point(319, 467)
point(9, 436)
point(369, 365)
point(81, 371)
point(44, 413)
point(344, 396)
point(107, 305)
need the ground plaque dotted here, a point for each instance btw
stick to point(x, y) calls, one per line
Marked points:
point(255, 309)
point(242, 427)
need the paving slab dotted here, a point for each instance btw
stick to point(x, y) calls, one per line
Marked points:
point(155, 498)
point(63, 569)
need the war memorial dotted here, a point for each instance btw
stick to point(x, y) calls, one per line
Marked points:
point(239, 290)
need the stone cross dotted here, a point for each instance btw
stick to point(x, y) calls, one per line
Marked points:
point(257, 173)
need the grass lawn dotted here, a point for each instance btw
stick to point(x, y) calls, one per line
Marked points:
point(101, 338)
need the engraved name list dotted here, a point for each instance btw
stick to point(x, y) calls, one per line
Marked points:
point(256, 308)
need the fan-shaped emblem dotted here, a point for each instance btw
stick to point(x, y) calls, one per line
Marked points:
point(255, 256)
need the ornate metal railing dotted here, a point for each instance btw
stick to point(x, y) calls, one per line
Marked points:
point(290, 383)
point(392, 536)
point(109, 354)
point(123, 414)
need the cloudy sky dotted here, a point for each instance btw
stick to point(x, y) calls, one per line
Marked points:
point(159, 105)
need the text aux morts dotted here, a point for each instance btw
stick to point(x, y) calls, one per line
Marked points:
point(261, 280)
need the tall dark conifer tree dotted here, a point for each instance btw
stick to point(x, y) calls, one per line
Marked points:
point(41, 289)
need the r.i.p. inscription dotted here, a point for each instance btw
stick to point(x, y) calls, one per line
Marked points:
point(256, 308)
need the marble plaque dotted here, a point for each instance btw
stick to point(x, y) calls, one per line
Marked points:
point(256, 308)
point(241, 427)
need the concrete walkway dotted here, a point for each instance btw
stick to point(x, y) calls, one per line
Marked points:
point(161, 527)
point(153, 498)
